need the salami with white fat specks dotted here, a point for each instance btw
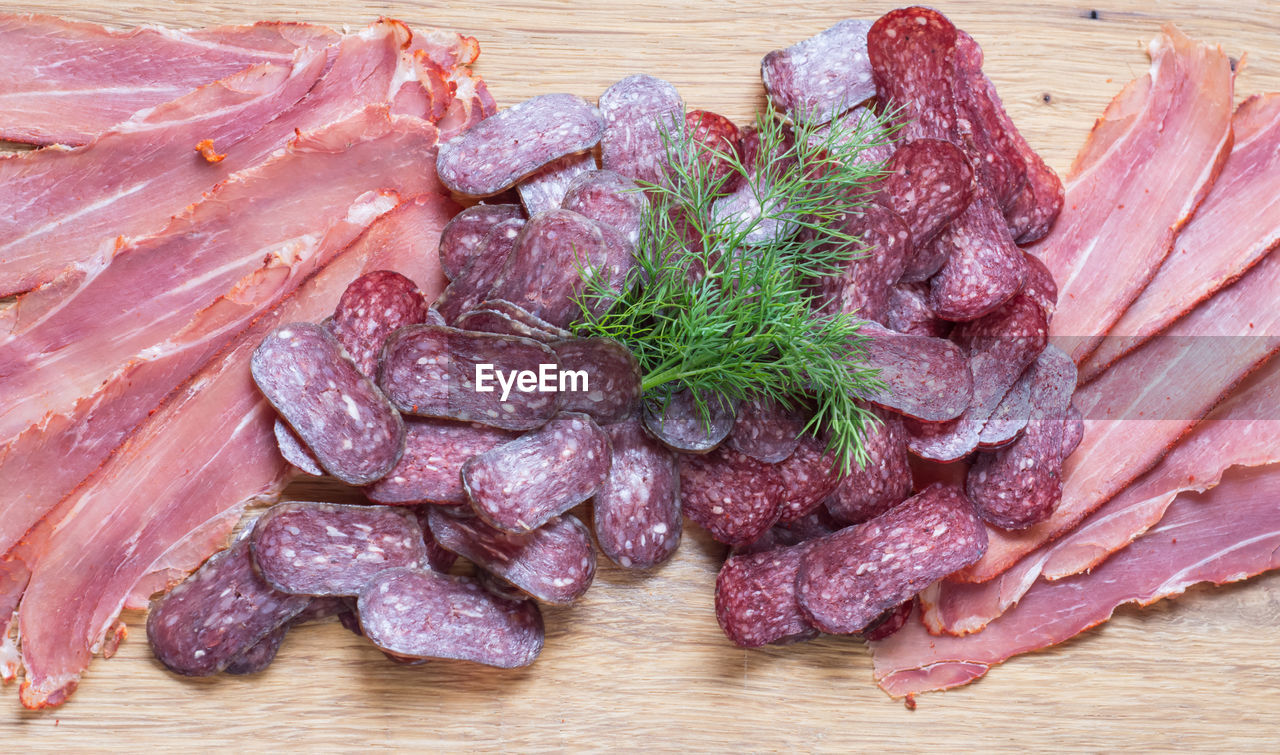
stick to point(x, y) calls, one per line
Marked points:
point(332, 549)
point(756, 598)
point(823, 76)
point(257, 658)
point(811, 473)
point(909, 312)
point(430, 371)
point(603, 378)
point(889, 622)
point(638, 520)
point(494, 154)
point(1039, 285)
point(438, 557)
point(461, 236)
point(1010, 415)
point(862, 287)
point(473, 284)
point(912, 53)
point(847, 580)
point(524, 316)
point(741, 208)
point(981, 126)
point(521, 485)
point(983, 269)
point(293, 450)
point(811, 526)
point(1036, 207)
point(493, 321)
point(419, 613)
point(371, 307)
point(861, 126)
point(430, 471)
point(926, 378)
point(608, 197)
point(554, 563)
point(929, 184)
point(765, 430)
point(350, 427)
point(636, 111)
point(869, 490)
point(731, 495)
point(218, 613)
point(679, 423)
point(545, 189)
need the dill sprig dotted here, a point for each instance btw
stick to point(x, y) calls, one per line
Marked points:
point(720, 300)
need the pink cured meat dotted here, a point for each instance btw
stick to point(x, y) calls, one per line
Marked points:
point(553, 564)
point(983, 267)
point(912, 53)
point(680, 425)
point(461, 238)
point(765, 430)
point(733, 496)
point(811, 473)
point(418, 613)
point(756, 598)
point(372, 306)
point(471, 285)
point(430, 371)
point(848, 579)
point(909, 312)
point(930, 183)
point(332, 549)
point(430, 470)
point(637, 511)
point(610, 198)
point(862, 288)
point(880, 484)
point(256, 659)
point(611, 388)
point(496, 153)
point(817, 79)
point(926, 378)
point(545, 189)
point(295, 451)
point(354, 432)
point(983, 128)
point(637, 111)
point(521, 485)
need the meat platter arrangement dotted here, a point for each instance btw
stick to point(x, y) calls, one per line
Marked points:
point(871, 343)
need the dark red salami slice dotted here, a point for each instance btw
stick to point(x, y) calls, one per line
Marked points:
point(430, 471)
point(497, 152)
point(637, 510)
point(912, 53)
point(811, 526)
point(765, 430)
point(889, 622)
point(461, 237)
point(521, 485)
point(257, 658)
point(1010, 416)
point(930, 183)
point(909, 312)
point(733, 496)
point(419, 613)
point(554, 563)
point(610, 198)
point(811, 474)
point(756, 598)
point(847, 580)
point(524, 316)
point(294, 452)
point(982, 127)
point(927, 378)
point(715, 140)
point(339, 414)
point(1036, 207)
point(431, 371)
point(863, 286)
point(983, 269)
point(222, 610)
point(472, 285)
point(434, 318)
point(604, 378)
point(823, 76)
point(545, 189)
point(883, 482)
point(680, 425)
point(1039, 285)
point(438, 557)
point(373, 305)
point(637, 111)
point(333, 549)
point(492, 321)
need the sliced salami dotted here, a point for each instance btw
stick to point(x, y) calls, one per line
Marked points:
point(637, 111)
point(419, 613)
point(926, 378)
point(715, 140)
point(637, 511)
point(554, 563)
point(604, 378)
point(823, 76)
point(522, 315)
point(883, 482)
point(930, 183)
point(679, 423)
point(765, 430)
point(350, 427)
point(610, 198)
point(371, 307)
point(811, 473)
point(461, 236)
point(982, 127)
point(756, 598)
point(847, 580)
point(497, 152)
point(862, 287)
point(1072, 432)
point(545, 189)
point(733, 496)
point(1010, 415)
point(741, 210)
point(1036, 207)
point(1039, 285)
point(521, 485)
point(257, 658)
point(431, 371)
point(912, 54)
point(983, 268)
point(889, 622)
point(493, 321)
point(909, 312)
point(863, 128)
point(811, 526)
point(473, 284)
point(430, 471)
point(293, 450)
point(438, 557)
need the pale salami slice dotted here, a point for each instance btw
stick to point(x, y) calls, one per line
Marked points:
point(521, 485)
point(294, 452)
point(741, 209)
point(821, 77)
point(811, 473)
point(554, 563)
point(862, 127)
point(371, 307)
point(610, 198)
point(522, 315)
point(419, 613)
point(431, 371)
point(603, 378)
point(332, 549)
point(1010, 416)
point(862, 287)
point(982, 127)
point(493, 321)
point(847, 580)
point(637, 111)
point(883, 482)
point(912, 54)
point(461, 236)
point(257, 658)
point(930, 183)
point(983, 268)
point(1072, 432)
point(430, 471)
point(731, 495)
point(637, 511)
point(756, 598)
point(350, 427)
point(909, 312)
point(926, 378)
point(679, 423)
point(889, 622)
point(497, 152)
point(472, 285)
point(765, 430)
point(545, 189)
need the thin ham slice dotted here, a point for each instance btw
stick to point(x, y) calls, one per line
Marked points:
point(1225, 535)
point(1138, 181)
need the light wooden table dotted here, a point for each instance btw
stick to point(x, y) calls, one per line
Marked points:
point(640, 663)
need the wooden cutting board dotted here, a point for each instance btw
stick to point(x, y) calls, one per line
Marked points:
point(640, 663)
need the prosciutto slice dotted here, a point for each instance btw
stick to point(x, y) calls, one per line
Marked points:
point(1145, 169)
point(1225, 535)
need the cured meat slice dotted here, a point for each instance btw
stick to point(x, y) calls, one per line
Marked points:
point(811, 526)
point(638, 111)
point(294, 451)
point(926, 378)
point(861, 125)
point(605, 378)
point(1040, 286)
point(930, 183)
point(680, 425)
point(883, 481)
point(545, 189)
point(714, 140)
point(983, 267)
point(223, 610)
point(912, 53)
point(1010, 415)
point(811, 473)
point(493, 321)
point(521, 485)
point(474, 282)
point(817, 79)
point(733, 496)
point(434, 371)
point(1137, 187)
point(889, 622)
point(461, 238)
point(333, 549)
point(257, 658)
point(637, 511)
point(430, 470)
point(494, 154)
point(909, 312)
point(863, 286)
point(554, 563)
point(983, 128)
point(756, 598)
point(372, 306)
point(741, 210)
point(610, 198)
point(354, 432)
point(438, 557)
point(526, 318)
point(849, 579)
point(418, 613)
point(766, 430)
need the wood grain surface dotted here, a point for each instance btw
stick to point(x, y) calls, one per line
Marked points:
point(640, 664)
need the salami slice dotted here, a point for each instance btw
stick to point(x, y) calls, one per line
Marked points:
point(472, 285)
point(926, 378)
point(604, 378)
point(419, 613)
point(554, 563)
point(430, 471)
point(461, 236)
point(521, 485)
point(333, 549)
point(372, 306)
point(294, 452)
point(545, 189)
point(847, 580)
point(909, 312)
point(1072, 432)
point(610, 198)
point(765, 430)
point(862, 287)
point(1036, 207)
point(982, 127)
point(679, 423)
point(715, 140)
point(522, 315)
point(862, 126)
point(883, 482)
point(733, 496)
point(1010, 415)
point(221, 611)
point(811, 473)
point(438, 557)
point(983, 268)
point(817, 523)
point(431, 371)
point(741, 210)
point(497, 152)
point(257, 658)
point(339, 414)
point(493, 321)
point(1039, 285)
point(930, 183)
point(889, 622)
point(912, 54)
point(637, 111)
point(637, 511)
point(756, 598)
point(823, 76)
